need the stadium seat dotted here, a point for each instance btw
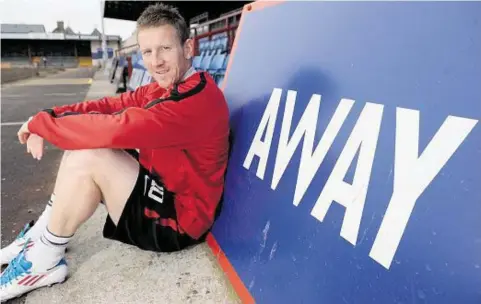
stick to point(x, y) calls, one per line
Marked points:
point(222, 45)
point(214, 45)
point(211, 46)
point(216, 64)
point(219, 74)
point(219, 80)
point(205, 63)
point(203, 45)
point(197, 61)
point(212, 55)
point(226, 62)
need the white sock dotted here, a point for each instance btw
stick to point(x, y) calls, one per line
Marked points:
point(47, 251)
point(36, 231)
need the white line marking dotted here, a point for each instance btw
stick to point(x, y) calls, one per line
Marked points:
point(45, 94)
point(97, 93)
point(60, 94)
point(17, 123)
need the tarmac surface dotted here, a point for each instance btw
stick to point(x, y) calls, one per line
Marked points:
point(26, 182)
point(100, 271)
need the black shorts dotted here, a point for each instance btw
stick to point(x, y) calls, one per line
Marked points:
point(149, 219)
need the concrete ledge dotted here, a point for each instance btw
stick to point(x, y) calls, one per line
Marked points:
point(104, 271)
point(14, 74)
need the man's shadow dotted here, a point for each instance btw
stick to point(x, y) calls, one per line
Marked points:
point(245, 117)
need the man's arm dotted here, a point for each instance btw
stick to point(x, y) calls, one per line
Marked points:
point(106, 105)
point(166, 124)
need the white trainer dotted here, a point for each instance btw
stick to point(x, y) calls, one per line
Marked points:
point(8, 253)
point(21, 277)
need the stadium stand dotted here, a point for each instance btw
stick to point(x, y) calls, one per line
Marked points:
point(25, 45)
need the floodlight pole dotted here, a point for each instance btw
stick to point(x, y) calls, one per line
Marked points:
point(104, 40)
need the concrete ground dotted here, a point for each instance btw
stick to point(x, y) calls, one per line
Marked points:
point(100, 271)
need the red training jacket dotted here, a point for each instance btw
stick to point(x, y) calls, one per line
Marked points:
point(181, 133)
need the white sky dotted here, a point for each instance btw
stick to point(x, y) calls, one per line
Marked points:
point(81, 15)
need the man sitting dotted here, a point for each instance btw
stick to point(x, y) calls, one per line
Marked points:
point(163, 198)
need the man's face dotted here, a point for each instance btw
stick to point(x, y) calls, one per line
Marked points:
point(165, 58)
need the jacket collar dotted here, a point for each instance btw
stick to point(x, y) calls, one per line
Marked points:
point(191, 71)
point(167, 91)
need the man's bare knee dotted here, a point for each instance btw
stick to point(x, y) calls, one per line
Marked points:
point(89, 159)
point(105, 166)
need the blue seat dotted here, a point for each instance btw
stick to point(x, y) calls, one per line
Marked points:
point(203, 45)
point(219, 80)
point(219, 74)
point(214, 43)
point(222, 45)
point(205, 62)
point(197, 61)
point(216, 64)
point(210, 47)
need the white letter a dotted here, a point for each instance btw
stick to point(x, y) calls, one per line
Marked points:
point(364, 136)
point(259, 148)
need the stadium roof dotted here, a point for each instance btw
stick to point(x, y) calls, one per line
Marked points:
point(57, 36)
point(37, 32)
point(22, 28)
point(131, 10)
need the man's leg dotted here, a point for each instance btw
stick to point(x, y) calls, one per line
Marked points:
point(84, 178)
point(34, 232)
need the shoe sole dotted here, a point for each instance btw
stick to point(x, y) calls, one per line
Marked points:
point(26, 294)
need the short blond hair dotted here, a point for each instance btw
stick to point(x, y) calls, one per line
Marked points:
point(162, 14)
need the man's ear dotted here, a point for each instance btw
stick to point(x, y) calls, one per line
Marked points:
point(189, 48)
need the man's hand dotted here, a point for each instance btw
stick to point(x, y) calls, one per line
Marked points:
point(24, 132)
point(35, 146)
